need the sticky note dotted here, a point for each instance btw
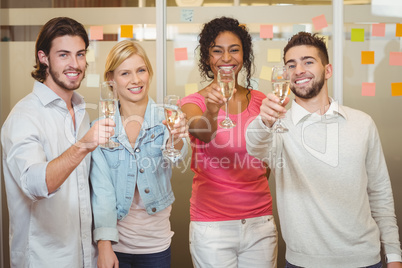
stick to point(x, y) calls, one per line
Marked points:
point(357, 35)
point(320, 22)
point(180, 54)
point(266, 73)
point(378, 29)
point(368, 89)
point(90, 55)
point(298, 28)
point(396, 89)
point(126, 31)
point(186, 15)
point(96, 33)
point(93, 80)
point(398, 32)
point(395, 58)
point(367, 57)
point(274, 55)
point(190, 88)
point(266, 31)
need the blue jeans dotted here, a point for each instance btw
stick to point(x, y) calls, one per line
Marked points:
point(378, 265)
point(154, 260)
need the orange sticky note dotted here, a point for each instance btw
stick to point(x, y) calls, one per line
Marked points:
point(367, 57)
point(396, 89)
point(368, 89)
point(126, 31)
point(180, 54)
point(395, 58)
point(96, 32)
point(320, 22)
point(378, 29)
point(398, 32)
point(266, 31)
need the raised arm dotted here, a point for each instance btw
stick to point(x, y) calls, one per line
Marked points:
point(203, 125)
point(58, 170)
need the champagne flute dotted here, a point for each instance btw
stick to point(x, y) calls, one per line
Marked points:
point(227, 82)
point(109, 105)
point(280, 87)
point(171, 105)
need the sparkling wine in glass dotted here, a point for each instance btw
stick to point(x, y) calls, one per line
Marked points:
point(280, 87)
point(171, 105)
point(227, 82)
point(108, 105)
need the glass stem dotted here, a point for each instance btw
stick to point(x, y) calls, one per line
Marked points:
point(171, 145)
point(227, 112)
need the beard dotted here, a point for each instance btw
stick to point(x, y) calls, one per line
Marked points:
point(73, 85)
point(312, 91)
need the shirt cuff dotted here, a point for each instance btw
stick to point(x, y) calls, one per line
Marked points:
point(393, 258)
point(34, 182)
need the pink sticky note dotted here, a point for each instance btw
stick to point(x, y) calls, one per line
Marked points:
point(180, 54)
point(368, 89)
point(320, 22)
point(395, 58)
point(266, 31)
point(378, 29)
point(96, 32)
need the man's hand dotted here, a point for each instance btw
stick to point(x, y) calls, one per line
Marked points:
point(99, 133)
point(271, 109)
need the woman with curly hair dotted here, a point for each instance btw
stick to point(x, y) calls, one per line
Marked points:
point(231, 205)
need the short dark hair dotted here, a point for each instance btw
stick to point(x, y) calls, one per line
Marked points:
point(308, 39)
point(54, 28)
point(207, 39)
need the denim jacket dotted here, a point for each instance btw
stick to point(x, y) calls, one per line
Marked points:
point(116, 172)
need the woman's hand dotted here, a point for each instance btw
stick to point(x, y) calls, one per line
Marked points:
point(107, 258)
point(214, 99)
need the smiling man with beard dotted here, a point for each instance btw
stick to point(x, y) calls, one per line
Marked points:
point(334, 195)
point(47, 142)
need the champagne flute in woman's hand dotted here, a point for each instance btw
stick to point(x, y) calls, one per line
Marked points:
point(227, 81)
point(280, 87)
point(108, 105)
point(171, 104)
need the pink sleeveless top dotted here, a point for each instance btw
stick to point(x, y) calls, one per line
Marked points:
point(228, 184)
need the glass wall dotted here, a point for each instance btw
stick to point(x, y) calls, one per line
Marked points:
point(271, 24)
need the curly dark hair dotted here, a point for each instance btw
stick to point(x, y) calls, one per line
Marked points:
point(54, 28)
point(207, 40)
point(308, 39)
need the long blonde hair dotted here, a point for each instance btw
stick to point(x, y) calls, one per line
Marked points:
point(122, 51)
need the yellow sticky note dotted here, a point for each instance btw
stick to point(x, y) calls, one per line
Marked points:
point(96, 32)
point(90, 55)
point(190, 88)
point(396, 89)
point(367, 57)
point(266, 73)
point(274, 55)
point(398, 30)
point(126, 31)
point(357, 35)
